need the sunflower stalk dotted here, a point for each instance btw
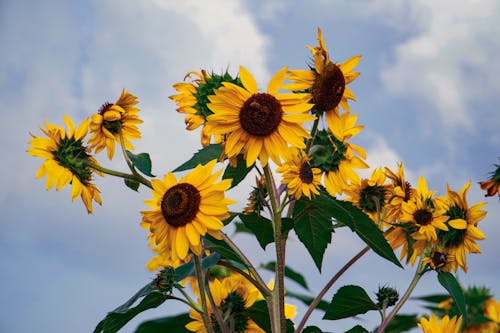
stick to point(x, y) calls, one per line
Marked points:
point(203, 297)
point(127, 159)
point(115, 173)
point(189, 301)
point(220, 320)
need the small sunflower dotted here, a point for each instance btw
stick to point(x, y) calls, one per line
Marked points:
point(327, 81)
point(463, 232)
point(335, 156)
point(401, 191)
point(299, 176)
point(65, 156)
point(370, 195)
point(259, 125)
point(192, 99)
point(439, 259)
point(445, 325)
point(492, 185)
point(423, 213)
point(113, 119)
point(183, 211)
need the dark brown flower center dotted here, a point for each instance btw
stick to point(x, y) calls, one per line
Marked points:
point(261, 114)
point(438, 258)
point(422, 217)
point(105, 107)
point(306, 174)
point(408, 191)
point(180, 204)
point(328, 88)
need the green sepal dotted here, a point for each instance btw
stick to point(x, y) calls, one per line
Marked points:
point(289, 273)
point(174, 324)
point(202, 156)
point(142, 162)
point(132, 184)
point(450, 283)
point(349, 301)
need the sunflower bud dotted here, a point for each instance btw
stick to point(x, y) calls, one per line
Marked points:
point(387, 296)
point(165, 281)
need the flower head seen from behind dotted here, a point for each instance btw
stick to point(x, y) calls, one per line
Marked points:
point(113, 120)
point(65, 160)
point(443, 325)
point(259, 125)
point(183, 211)
point(492, 185)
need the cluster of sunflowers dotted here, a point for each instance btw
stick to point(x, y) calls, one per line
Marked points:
point(303, 135)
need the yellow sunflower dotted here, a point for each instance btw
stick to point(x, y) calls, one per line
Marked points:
point(370, 195)
point(327, 81)
point(421, 212)
point(462, 222)
point(192, 99)
point(335, 156)
point(492, 185)
point(401, 191)
point(439, 259)
point(259, 125)
point(183, 211)
point(299, 176)
point(445, 325)
point(112, 119)
point(491, 311)
point(65, 156)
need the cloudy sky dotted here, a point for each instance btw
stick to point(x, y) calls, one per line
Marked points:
point(428, 96)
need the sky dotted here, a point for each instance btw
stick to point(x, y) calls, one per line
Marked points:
point(427, 96)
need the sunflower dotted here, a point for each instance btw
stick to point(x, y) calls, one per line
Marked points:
point(259, 125)
point(371, 194)
point(439, 259)
point(401, 191)
point(65, 160)
point(445, 325)
point(192, 99)
point(492, 185)
point(421, 212)
point(113, 119)
point(327, 81)
point(299, 176)
point(183, 211)
point(462, 222)
point(335, 156)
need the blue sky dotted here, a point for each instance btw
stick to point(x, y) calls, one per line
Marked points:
point(427, 95)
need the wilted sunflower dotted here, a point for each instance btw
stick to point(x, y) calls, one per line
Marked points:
point(327, 81)
point(259, 125)
point(492, 185)
point(112, 119)
point(65, 156)
point(192, 99)
point(463, 232)
point(423, 213)
point(299, 176)
point(183, 211)
point(334, 155)
point(445, 325)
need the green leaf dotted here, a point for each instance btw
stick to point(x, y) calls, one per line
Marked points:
point(116, 319)
point(361, 224)
point(132, 184)
point(173, 324)
point(259, 313)
point(312, 329)
point(260, 226)
point(357, 329)
point(289, 273)
point(402, 323)
point(433, 298)
point(239, 172)
point(203, 156)
point(313, 226)
point(188, 269)
point(450, 283)
point(222, 248)
point(349, 301)
point(307, 300)
point(142, 162)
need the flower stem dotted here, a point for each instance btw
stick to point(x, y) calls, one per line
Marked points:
point(190, 301)
point(249, 277)
point(327, 287)
point(418, 274)
point(314, 129)
point(127, 159)
point(128, 176)
point(203, 297)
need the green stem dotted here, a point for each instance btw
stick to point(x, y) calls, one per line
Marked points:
point(203, 297)
point(127, 159)
point(190, 301)
point(253, 281)
point(314, 129)
point(181, 300)
point(278, 324)
point(218, 317)
point(418, 274)
point(128, 176)
point(327, 287)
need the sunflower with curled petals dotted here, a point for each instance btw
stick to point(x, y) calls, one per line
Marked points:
point(113, 121)
point(335, 156)
point(400, 190)
point(327, 81)
point(259, 125)
point(423, 213)
point(444, 325)
point(192, 99)
point(183, 211)
point(299, 176)
point(462, 221)
point(66, 159)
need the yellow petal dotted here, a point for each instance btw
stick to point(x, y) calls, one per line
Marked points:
point(248, 80)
